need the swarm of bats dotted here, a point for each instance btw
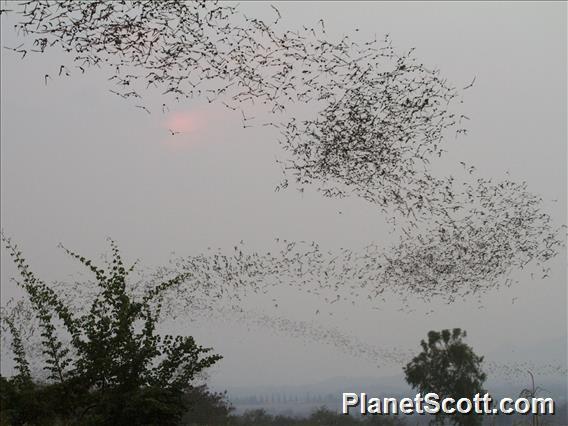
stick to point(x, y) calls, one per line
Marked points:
point(381, 117)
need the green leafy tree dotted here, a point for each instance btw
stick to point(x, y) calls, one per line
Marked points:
point(205, 407)
point(106, 366)
point(450, 368)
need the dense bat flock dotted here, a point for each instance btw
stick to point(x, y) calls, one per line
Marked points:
point(381, 114)
point(459, 254)
point(379, 118)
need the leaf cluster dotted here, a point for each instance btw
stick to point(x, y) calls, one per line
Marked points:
point(448, 367)
point(109, 365)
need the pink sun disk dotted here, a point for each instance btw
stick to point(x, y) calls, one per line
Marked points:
point(183, 122)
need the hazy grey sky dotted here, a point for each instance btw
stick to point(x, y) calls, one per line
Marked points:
point(79, 164)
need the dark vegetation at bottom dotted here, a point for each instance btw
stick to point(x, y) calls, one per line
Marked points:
point(42, 405)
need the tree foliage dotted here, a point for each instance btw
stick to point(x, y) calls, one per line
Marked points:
point(106, 366)
point(448, 367)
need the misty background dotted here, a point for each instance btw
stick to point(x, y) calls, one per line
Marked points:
point(79, 164)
